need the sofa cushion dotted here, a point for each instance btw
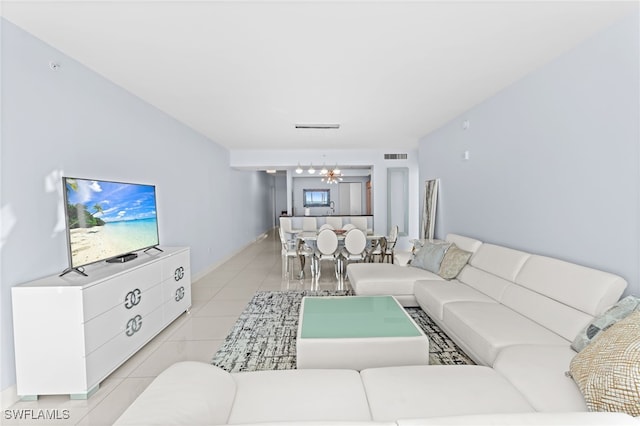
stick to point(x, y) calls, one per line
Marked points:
point(612, 315)
point(500, 261)
point(608, 370)
point(560, 318)
point(588, 290)
point(482, 329)
point(432, 295)
point(328, 423)
point(299, 395)
point(439, 390)
point(485, 282)
point(430, 255)
point(453, 261)
point(385, 278)
point(186, 393)
point(527, 419)
point(535, 369)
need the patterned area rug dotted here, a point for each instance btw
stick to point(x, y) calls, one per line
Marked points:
point(264, 337)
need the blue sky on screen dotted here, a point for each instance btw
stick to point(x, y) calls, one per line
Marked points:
point(119, 201)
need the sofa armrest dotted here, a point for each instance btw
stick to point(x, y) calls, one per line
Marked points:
point(186, 393)
point(402, 258)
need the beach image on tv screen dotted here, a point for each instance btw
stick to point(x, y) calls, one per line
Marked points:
point(108, 219)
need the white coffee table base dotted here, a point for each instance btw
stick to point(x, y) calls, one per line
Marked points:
point(361, 353)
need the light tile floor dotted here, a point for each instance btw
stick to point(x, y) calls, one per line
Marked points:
point(217, 300)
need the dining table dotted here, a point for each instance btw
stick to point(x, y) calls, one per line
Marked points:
point(305, 237)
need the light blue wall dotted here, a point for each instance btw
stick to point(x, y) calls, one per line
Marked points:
point(554, 162)
point(74, 122)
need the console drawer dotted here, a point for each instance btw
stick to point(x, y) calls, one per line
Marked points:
point(177, 298)
point(110, 355)
point(107, 325)
point(119, 289)
point(176, 267)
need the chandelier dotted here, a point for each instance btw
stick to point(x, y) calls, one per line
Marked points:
point(331, 176)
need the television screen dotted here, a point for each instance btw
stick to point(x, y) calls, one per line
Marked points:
point(108, 219)
point(316, 197)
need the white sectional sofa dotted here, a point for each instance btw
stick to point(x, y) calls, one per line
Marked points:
point(194, 393)
point(514, 313)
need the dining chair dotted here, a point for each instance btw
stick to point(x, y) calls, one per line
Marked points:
point(285, 225)
point(304, 252)
point(378, 247)
point(309, 224)
point(326, 226)
point(292, 250)
point(392, 239)
point(385, 246)
point(360, 222)
point(349, 226)
point(355, 244)
point(335, 221)
point(288, 252)
point(326, 249)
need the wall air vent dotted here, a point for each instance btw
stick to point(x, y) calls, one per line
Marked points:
point(395, 156)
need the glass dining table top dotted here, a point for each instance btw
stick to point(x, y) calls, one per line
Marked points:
point(313, 236)
point(355, 317)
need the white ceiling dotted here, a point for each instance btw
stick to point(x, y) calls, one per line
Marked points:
point(243, 73)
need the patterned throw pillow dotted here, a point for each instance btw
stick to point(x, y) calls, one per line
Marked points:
point(607, 371)
point(453, 261)
point(430, 255)
point(614, 314)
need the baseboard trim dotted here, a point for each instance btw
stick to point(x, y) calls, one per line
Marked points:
point(9, 396)
point(219, 263)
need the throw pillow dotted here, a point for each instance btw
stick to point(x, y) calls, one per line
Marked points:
point(430, 255)
point(453, 261)
point(614, 314)
point(608, 370)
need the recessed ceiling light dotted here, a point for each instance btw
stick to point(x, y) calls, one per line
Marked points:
point(271, 171)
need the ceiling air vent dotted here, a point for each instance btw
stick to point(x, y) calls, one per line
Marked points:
point(395, 156)
point(318, 126)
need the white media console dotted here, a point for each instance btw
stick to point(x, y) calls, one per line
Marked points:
point(71, 332)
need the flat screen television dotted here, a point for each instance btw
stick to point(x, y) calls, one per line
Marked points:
point(316, 197)
point(108, 220)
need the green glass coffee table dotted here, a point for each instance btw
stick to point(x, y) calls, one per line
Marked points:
point(358, 332)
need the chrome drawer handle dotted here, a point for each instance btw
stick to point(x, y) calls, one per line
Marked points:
point(133, 298)
point(179, 294)
point(134, 325)
point(178, 274)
